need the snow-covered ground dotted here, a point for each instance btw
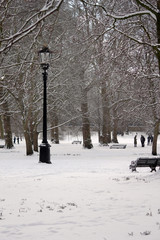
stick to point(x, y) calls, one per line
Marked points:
point(82, 195)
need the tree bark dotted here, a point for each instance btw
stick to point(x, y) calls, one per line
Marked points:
point(1, 129)
point(85, 122)
point(115, 127)
point(6, 121)
point(35, 141)
point(7, 127)
point(106, 129)
point(29, 149)
point(156, 127)
point(55, 129)
point(154, 145)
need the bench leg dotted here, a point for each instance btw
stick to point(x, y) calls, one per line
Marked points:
point(153, 169)
point(134, 170)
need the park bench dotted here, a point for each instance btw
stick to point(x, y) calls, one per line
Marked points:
point(76, 142)
point(118, 146)
point(2, 146)
point(145, 162)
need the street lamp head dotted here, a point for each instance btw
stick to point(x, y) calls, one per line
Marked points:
point(45, 55)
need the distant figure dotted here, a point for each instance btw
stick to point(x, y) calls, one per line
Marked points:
point(135, 140)
point(142, 140)
point(148, 139)
point(18, 140)
point(14, 140)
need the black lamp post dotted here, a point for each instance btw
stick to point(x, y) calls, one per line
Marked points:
point(45, 54)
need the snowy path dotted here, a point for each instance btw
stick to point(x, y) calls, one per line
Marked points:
point(83, 195)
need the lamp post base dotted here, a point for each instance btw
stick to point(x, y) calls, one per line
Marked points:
point(44, 156)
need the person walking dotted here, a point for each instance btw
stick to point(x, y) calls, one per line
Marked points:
point(142, 140)
point(148, 139)
point(135, 140)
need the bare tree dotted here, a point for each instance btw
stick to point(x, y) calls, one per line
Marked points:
point(139, 21)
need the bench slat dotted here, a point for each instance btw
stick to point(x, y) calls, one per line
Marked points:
point(118, 146)
point(145, 162)
point(76, 142)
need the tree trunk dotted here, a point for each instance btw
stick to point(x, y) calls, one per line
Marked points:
point(55, 129)
point(106, 132)
point(35, 141)
point(85, 122)
point(115, 126)
point(99, 136)
point(7, 126)
point(29, 150)
point(1, 97)
point(156, 127)
point(154, 145)
point(158, 22)
point(1, 129)
point(6, 118)
point(8, 132)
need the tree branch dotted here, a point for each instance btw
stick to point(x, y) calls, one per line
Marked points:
point(149, 11)
point(47, 10)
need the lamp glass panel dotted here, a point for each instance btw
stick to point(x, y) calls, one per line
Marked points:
point(45, 57)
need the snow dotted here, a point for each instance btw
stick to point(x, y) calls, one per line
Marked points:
point(82, 195)
point(134, 14)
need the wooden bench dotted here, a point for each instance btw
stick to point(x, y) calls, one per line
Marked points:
point(2, 146)
point(118, 146)
point(77, 142)
point(145, 162)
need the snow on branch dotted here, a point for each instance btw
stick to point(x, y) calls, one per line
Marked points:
point(130, 15)
point(48, 5)
point(156, 47)
point(147, 5)
point(37, 18)
point(149, 11)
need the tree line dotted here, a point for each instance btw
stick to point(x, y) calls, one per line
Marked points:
point(103, 75)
